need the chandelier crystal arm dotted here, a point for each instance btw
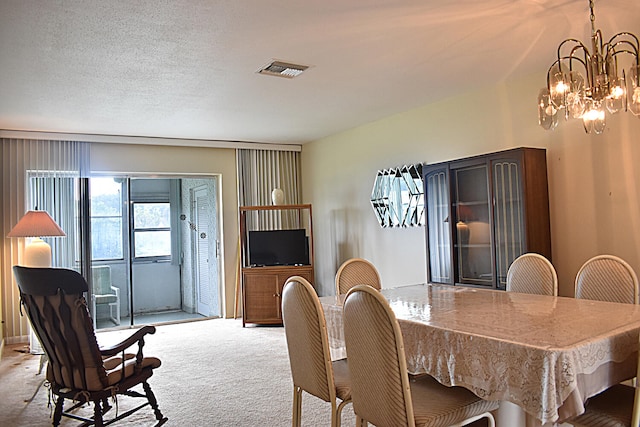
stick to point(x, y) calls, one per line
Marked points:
point(615, 52)
point(634, 44)
point(578, 45)
point(626, 34)
point(557, 63)
point(597, 42)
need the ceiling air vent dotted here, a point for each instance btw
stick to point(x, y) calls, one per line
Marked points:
point(283, 69)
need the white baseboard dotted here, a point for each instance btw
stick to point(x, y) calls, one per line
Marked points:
point(22, 339)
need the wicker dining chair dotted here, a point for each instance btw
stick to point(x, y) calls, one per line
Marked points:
point(618, 406)
point(607, 278)
point(532, 273)
point(356, 271)
point(381, 390)
point(78, 369)
point(309, 356)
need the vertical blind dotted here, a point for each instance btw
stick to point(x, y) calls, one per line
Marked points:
point(43, 175)
point(259, 173)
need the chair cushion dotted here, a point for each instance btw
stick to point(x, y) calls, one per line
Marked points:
point(611, 408)
point(436, 405)
point(113, 366)
point(341, 379)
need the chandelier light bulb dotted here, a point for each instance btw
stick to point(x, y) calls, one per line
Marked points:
point(590, 115)
point(594, 118)
point(617, 92)
point(594, 114)
point(634, 91)
point(635, 102)
point(561, 87)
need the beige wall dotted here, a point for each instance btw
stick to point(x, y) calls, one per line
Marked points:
point(595, 202)
point(593, 180)
point(150, 159)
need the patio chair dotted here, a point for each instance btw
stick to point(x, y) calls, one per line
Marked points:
point(104, 293)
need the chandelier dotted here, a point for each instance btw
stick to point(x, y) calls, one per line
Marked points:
point(603, 86)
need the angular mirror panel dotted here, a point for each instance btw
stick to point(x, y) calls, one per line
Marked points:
point(397, 197)
point(397, 188)
point(379, 201)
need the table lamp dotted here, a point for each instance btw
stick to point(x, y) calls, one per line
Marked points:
point(37, 224)
point(37, 253)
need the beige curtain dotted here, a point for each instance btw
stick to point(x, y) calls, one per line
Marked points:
point(259, 173)
point(37, 174)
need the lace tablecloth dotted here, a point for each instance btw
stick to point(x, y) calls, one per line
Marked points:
point(545, 354)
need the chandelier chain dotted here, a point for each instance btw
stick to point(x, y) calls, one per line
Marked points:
point(592, 16)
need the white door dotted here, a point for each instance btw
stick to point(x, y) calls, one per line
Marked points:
point(203, 250)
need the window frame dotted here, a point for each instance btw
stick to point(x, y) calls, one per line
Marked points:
point(135, 230)
point(122, 217)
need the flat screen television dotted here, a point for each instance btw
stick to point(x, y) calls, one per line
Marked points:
point(278, 247)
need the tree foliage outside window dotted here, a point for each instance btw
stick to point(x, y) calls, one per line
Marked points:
point(106, 219)
point(152, 230)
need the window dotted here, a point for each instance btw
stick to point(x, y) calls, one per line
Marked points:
point(106, 219)
point(152, 230)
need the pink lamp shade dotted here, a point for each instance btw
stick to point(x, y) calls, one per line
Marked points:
point(37, 224)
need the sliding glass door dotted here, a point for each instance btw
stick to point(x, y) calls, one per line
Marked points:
point(110, 284)
point(149, 248)
point(154, 249)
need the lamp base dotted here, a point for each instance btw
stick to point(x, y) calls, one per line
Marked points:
point(37, 253)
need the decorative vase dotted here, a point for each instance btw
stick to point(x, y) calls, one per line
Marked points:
point(277, 196)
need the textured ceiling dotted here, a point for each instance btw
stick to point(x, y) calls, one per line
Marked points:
point(187, 68)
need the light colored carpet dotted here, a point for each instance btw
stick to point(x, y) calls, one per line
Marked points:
point(213, 373)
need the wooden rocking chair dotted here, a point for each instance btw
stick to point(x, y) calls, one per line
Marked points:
point(78, 369)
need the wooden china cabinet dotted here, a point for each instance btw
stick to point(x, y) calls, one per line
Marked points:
point(276, 242)
point(482, 212)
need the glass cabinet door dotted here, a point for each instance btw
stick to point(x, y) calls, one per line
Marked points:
point(438, 226)
point(484, 211)
point(508, 217)
point(473, 226)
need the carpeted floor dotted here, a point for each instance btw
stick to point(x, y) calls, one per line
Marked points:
point(213, 373)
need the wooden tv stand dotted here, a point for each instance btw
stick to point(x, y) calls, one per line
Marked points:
point(262, 285)
point(262, 292)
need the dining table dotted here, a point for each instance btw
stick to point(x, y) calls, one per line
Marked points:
point(545, 354)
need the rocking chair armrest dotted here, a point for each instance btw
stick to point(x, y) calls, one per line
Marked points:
point(136, 337)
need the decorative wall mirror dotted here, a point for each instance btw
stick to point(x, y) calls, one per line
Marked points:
point(398, 196)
